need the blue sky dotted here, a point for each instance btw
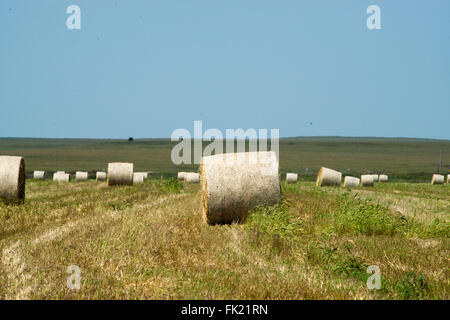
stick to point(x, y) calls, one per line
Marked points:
point(145, 68)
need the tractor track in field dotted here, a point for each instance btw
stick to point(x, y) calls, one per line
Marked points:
point(20, 274)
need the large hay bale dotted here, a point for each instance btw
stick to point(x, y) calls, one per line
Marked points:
point(81, 176)
point(120, 173)
point(181, 175)
point(448, 178)
point(383, 178)
point(437, 179)
point(191, 177)
point(328, 177)
point(61, 177)
point(375, 177)
point(234, 183)
point(291, 177)
point(38, 175)
point(12, 179)
point(138, 178)
point(351, 182)
point(100, 176)
point(367, 180)
point(143, 174)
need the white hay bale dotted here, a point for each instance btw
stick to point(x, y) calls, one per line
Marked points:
point(143, 174)
point(351, 182)
point(181, 175)
point(61, 177)
point(12, 179)
point(367, 180)
point(437, 179)
point(120, 173)
point(138, 178)
point(100, 176)
point(448, 178)
point(234, 183)
point(38, 175)
point(375, 177)
point(328, 177)
point(191, 177)
point(291, 177)
point(81, 176)
point(383, 178)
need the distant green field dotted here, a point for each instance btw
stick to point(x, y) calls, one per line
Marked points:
point(402, 159)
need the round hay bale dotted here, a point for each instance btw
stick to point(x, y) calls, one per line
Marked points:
point(191, 177)
point(120, 173)
point(437, 179)
point(234, 183)
point(138, 178)
point(367, 180)
point(448, 178)
point(12, 179)
point(143, 174)
point(383, 178)
point(351, 182)
point(38, 175)
point(81, 176)
point(375, 177)
point(100, 176)
point(291, 177)
point(328, 177)
point(61, 177)
point(180, 176)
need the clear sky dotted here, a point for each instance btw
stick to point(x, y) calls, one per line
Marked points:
point(145, 68)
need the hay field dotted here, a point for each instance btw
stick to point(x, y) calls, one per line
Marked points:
point(148, 242)
point(402, 159)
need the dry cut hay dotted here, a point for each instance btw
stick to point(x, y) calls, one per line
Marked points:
point(437, 179)
point(138, 178)
point(367, 180)
point(120, 173)
point(351, 182)
point(234, 183)
point(81, 176)
point(191, 177)
point(61, 177)
point(181, 175)
point(291, 177)
point(328, 177)
point(383, 178)
point(100, 176)
point(38, 175)
point(12, 179)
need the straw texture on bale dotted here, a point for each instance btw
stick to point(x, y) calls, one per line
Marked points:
point(180, 176)
point(383, 178)
point(328, 177)
point(367, 180)
point(291, 177)
point(351, 182)
point(61, 177)
point(100, 176)
point(12, 179)
point(234, 183)
point(120, 173)
point(138, 178)
point(437, 179)
point(38, 175)
point(81, 176)
point(191, 177)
